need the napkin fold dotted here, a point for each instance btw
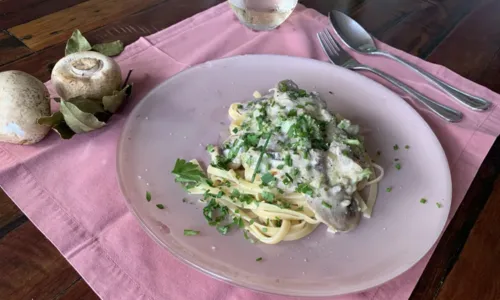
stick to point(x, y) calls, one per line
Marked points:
point(69, 189)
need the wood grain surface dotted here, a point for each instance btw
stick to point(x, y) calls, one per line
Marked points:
point(57, 27)
point(462, 35)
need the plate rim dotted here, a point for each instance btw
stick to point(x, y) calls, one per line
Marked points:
point(241, 283)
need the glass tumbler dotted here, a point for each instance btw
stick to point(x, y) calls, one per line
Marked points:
point(262, 15)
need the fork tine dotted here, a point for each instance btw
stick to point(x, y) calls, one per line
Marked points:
point(327, 47)
point(333, 42)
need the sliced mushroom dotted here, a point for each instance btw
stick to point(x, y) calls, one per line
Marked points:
point(23, 99)
point(87, 74)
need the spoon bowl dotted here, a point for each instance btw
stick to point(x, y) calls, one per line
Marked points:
point(358, 39)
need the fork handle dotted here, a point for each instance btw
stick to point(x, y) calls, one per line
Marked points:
point(445, 112)
point(471, 101)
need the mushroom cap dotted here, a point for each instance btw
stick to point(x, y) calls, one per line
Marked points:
point(23, 99)
point(88, 74)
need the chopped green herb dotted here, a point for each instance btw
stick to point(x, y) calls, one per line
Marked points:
point(280, 167)
point(269, 197)
point(288, 160)
point(389, 189)
point(237, 211)
point(264, 229)
point(267, 178)
point(326, 204)
point(190, 232)
point(160, 206)
point(407, 147)
point(245, 234)
point(257, 166)
point(235, 130)
point(223, 229)
point(235, 194)
point(288, 177)
point(239, 106)
point(238, 221)
point(258, 259)
point(148, 196)
point(439, 205)
point(252, 221)
point(295, 172)
point(281, 191)
point(396, 147)
point(304, 189)
point(219, 194)
point(188, 174)
point(423, 200)
point(292, 113)
point(210, 148)
point(398, 166)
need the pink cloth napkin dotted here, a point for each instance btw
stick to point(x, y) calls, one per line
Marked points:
point(69, 189)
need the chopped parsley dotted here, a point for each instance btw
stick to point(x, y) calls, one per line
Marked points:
point(439, 205)
point(235, 130)
point(407, 147)
point(257, 166)
point(288, 160)
point(223, 229)
point(238, 221)
point(396, 147)
point(397, 166)
point(148, 196)
point(190, 232)
point(423, 200)
point(269, 197)
point(280, 167)
point(326, 204)
point(188, 174)
point(258, 259)
point(210, 148)
point(389, 189)
point(160, 206)
point(267, 178)
point(304, 188)
point(264, 229)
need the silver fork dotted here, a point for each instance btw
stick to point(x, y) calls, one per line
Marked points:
point(340, 57)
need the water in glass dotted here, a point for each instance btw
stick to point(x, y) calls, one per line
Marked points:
point(262, 14)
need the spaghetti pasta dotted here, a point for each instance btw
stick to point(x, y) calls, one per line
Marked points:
point(287, 166)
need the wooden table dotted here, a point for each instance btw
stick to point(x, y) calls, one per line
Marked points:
point(463, 35)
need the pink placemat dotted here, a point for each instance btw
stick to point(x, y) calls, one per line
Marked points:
point(69, 189)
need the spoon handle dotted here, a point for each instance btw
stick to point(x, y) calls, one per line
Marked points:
point(445, 112)
point(471, 101)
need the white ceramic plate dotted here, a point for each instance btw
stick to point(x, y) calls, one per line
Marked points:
point(184, 114)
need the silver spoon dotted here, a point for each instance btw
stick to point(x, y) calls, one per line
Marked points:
point(358, 39)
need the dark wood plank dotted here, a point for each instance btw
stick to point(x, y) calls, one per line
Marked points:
point(79, 290)
point(476, 274)
point(473, 48)
point(11, 48)
point(15, 12)
point(455, 237)
point(32, 268)
point(415, 26)
point(129, 29)
point(9, 212)
point(57, 27)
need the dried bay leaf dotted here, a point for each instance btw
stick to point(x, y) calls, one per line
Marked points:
point(79, 121)
point(112, 102)
point(52, 120)
point(87, 105)
point(56, 122)
point(77, 43)
point(64, 131)
point(109, 49)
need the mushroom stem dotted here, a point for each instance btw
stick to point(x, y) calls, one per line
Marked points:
point(86, 66)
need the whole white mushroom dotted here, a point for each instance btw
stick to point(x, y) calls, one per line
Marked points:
point(88, 74)
point(23, 99)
